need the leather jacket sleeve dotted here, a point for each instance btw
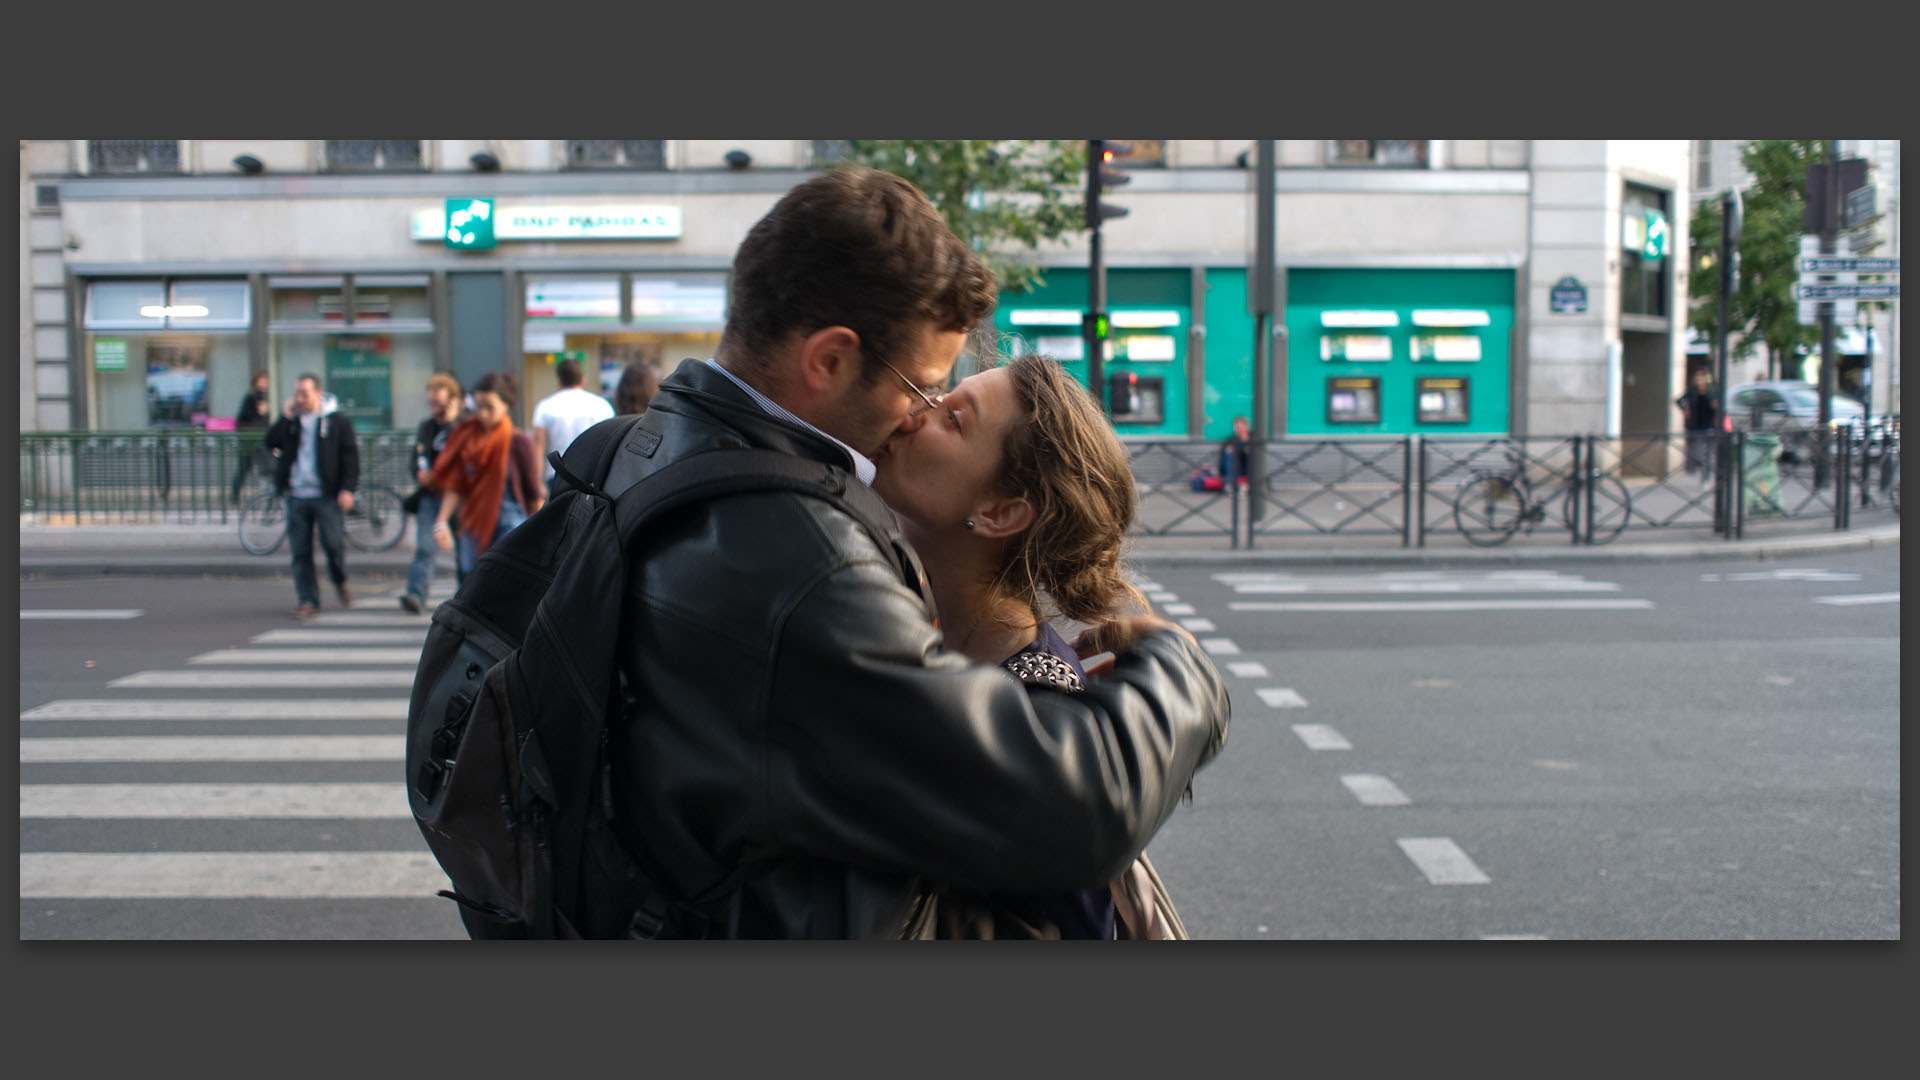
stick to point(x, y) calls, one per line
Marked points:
point(349, 455)
point(890, 753)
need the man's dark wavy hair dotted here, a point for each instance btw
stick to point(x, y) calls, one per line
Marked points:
point(859, 248)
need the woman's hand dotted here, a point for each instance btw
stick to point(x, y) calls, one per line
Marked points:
point(443, 535)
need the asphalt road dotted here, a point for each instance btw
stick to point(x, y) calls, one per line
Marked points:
point(1691, 750)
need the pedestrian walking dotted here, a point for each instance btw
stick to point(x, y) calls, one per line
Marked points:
point(487, 474)
point(443, 399)
point(254, 414)
point(638, 383)
point(798, 756)
point(561, 416)
point(317, 468)
point(1700, 410)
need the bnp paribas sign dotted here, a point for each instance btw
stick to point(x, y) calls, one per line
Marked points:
point(541, 222)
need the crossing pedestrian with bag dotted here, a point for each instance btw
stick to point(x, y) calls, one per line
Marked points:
point(488, 477)
point(444, 402)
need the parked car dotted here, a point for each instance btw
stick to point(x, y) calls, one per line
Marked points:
point(1790, 410)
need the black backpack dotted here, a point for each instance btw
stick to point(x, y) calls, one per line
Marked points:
point(507, 767)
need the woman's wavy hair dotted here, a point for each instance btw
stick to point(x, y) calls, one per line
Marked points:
point(1066, 461)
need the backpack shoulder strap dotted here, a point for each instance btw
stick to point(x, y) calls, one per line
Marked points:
point(596, 446)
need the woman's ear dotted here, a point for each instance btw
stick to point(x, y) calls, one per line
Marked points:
point(1002, 518)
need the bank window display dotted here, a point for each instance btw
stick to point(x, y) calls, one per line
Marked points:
point(1379, 153)
point(664, 319)
point(368, 337)
point(164, 353)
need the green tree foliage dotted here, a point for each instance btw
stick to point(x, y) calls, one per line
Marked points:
point(1762, 308)
point(1005, 197)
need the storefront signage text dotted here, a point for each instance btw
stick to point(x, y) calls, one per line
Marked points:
point(564, 223)
point(109, 354)
point(1569, 297)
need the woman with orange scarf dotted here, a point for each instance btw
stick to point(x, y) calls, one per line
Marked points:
point(488, 473)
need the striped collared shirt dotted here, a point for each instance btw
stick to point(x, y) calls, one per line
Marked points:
point(862, 468)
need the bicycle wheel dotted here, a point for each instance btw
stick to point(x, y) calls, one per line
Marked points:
point(263, 524)
point(1489, 508)
point(1612, 507)
point(377, 520)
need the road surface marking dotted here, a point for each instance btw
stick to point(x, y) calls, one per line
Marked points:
point(1859, 598)
point(1247, 669)
point(301, 680)
point(1199, 626)
point(1360, 606)
point(1178, 609)
point(1374, 790)
point(1281, 697)
point(1145, 584)
point(309, 656)
point(222, 709)
point(1513, 937)
point(342, 637)
point(388, 800)
point(1162, 597)
point(230, 875)
point(1794, 575)
point(1321, 737)
point(1482, 586)
point(215, 748)
point(1220, 646)
point(397, 618)
point(1442, 861)
point(81, 613)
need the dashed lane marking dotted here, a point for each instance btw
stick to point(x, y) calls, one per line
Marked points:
point(1321, 737)
point(41, 751)
point(1442, 861)
point(1247, 669)
point(305, 680)
point(1199, 626)
point(1859, 598)
point(342, 637)
point(1282, 697)
point(1374, 790)
point(81, 613)
point(1178, 609)
point(230, 875)
point(1375, 606)
point(309, 656)
point(146, 801)
point(1220, 646)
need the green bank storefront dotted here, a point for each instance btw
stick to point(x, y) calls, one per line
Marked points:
point(1367, 352)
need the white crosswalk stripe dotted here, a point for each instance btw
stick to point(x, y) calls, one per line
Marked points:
point(289, 770)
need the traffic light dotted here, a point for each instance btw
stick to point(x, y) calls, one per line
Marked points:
point(470, 224)
point(1100, 154)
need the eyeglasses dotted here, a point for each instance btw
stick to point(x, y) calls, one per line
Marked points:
point(931, 398)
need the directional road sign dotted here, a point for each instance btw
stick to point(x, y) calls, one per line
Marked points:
point(1836, 291)
point(1830, 264)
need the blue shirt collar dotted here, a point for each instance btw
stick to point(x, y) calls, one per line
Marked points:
point(862, 467)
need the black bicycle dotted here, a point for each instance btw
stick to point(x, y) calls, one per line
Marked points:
point(1493, 505)
point(376, 522)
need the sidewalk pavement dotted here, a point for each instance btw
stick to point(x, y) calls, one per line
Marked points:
point(49, 551)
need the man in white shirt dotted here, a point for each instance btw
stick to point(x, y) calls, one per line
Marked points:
point(563, 415)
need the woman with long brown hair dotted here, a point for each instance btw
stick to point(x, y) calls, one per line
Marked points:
point(488, 473)
point(1017, 496)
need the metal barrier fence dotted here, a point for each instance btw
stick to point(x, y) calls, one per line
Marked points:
point(144, 477)
point(1583, 488)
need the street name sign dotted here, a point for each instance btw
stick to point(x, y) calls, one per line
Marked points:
point(1839, 291)
point(1833, 264)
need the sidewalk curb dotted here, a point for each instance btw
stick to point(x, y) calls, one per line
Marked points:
point(1766, 548)
point(124, 563)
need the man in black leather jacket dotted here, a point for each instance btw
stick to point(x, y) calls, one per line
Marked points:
point(799, 757)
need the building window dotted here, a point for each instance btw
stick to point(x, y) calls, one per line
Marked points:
point(1702, 164)
point(133, 155)
point(617, 153)
point(1380, 153)
point(1140, 153)
point(166, 353)
point(1645, 236)
point(826, 153)
point(373, 155)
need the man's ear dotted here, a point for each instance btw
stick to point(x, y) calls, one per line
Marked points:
point(1002, 518)
point(827, 357)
